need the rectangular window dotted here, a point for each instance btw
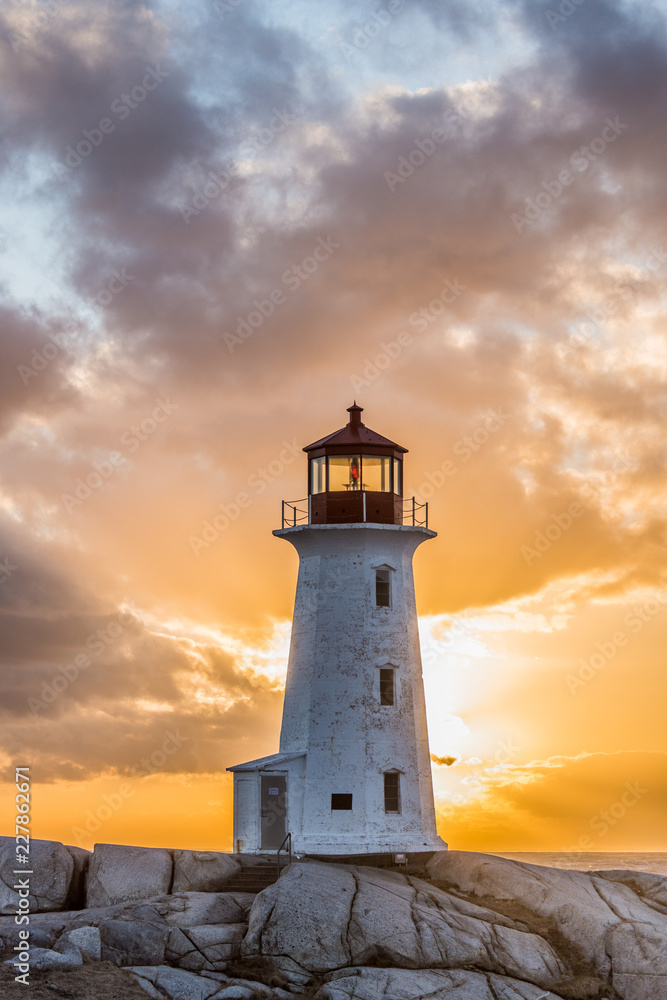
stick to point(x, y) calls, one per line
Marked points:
point(377, 474)
point(341, 801)
point(382, 588)
point(387, 686)
point(392, 802)
point(318, 472)
point(344, 472)
point(398, 476)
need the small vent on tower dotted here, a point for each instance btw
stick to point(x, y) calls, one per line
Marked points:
point(341, 801)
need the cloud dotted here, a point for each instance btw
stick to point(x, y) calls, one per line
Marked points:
point(591, 803)
point(422, 174)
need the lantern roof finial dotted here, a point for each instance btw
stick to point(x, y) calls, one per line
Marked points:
point(356, 435)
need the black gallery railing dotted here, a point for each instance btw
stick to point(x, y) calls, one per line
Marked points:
point(298, 512)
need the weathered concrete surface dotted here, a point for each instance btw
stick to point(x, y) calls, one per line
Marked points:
point(338, 737)
point(402, 984)
point(617, 933)
point(52, 867)
point(326, 917)
point(203, 871)
point(119, 874)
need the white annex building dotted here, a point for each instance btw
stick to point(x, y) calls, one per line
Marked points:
point(353, 774)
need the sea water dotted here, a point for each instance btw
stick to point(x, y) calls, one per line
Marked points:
point(587, 862)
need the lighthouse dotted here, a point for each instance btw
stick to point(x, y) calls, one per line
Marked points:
point(352, 776)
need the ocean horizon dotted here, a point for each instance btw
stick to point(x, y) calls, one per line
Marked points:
point(585, 861)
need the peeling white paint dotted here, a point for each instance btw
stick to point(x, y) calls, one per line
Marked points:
point(336, 737)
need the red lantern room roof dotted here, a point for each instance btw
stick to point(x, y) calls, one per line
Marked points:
point(355, 435)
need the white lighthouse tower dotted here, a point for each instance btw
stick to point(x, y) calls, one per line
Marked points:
point(353, 774)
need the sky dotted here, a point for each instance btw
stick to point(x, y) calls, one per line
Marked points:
point(222, 222)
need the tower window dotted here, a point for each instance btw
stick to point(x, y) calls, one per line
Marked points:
point(382, 588)
point(341, 801)
point(392, 799)
point(386, 685)
point(398, 476)
point(318, 475)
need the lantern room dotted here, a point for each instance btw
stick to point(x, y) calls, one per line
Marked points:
point(355, 475)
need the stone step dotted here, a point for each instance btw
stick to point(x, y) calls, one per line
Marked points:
point(252, 879)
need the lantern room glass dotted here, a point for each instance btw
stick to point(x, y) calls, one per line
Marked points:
point(318, 475)
point(344, 472)
point(374, 473)
point(377, 473)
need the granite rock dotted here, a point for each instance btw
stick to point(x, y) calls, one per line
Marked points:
point(52, 869)
point(133, 942)
point(436, 984)
point(202, 871)
point(120, 874)
point(176, 984)
point(209, 946)
point(325, 917)
point(86, 939)
point(189, 909)
point(597, 923)
point(45, 959)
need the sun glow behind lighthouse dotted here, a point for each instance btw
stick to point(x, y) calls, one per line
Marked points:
point(560, 326)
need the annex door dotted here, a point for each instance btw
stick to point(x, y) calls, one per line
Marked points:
point(273, 811)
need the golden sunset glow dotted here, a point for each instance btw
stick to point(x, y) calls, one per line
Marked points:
point(169, 348)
